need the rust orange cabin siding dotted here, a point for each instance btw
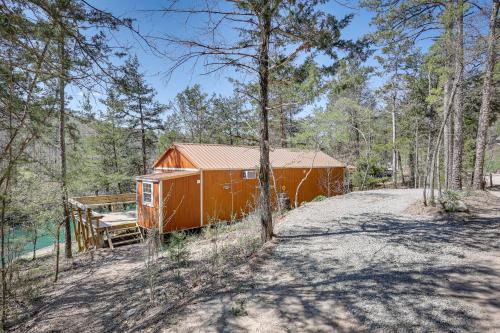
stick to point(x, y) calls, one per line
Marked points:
point(194, 200)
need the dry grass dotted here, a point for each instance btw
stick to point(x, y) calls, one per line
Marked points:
point(111, 290)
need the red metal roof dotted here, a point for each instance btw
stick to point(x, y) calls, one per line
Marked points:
point(220, 157)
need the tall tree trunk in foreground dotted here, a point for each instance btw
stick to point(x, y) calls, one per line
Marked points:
point(5, 193)
point(458, 140)
point(264, 197)
point(484, 113)
point(62, 141)
point(3, 254)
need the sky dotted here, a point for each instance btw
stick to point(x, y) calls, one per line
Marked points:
point(155, 67)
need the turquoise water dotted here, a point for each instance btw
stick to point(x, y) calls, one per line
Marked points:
point(45, 238)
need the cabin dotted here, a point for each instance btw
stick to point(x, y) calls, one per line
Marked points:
point(194, 185)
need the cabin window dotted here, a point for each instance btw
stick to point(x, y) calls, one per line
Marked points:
point(147, 194)
point(249, 174)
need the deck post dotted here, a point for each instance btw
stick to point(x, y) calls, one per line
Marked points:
point(98, 232)
point(76, 228)
point(89, 224)
point(82, 229)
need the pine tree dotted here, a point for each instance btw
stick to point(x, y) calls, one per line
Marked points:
point(191, 107)
point(141, 112)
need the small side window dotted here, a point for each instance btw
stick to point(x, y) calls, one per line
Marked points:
point(147, 194)
point(249, 174)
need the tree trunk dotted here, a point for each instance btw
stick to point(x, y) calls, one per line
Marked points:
point(400, 165)
point(282, 125)
point(456, 176)
point(35, 239)
point(438, 171)
point(411, 164)
point(5, 193)
point(264, 197)
point(357, 139)
point(428, 159)
point(297, 191)
point(62, 143)
point(2, 255)
point(143, 141)
point(56, 270)
point(484, 113)
point(435, 151)
point(416, 161)
point(448, 129)
point(394, 151)
point(447, 138)
point(432, 177)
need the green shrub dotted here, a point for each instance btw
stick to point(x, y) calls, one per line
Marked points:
point(177, 250)
point(319, 198)
point(450, 200)
point(369, 172)
point(238, 309)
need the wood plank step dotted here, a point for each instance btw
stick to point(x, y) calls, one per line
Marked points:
point(117, 228)
point(126, 241)
point(126, 235)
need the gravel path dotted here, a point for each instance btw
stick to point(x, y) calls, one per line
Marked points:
point(358, 263)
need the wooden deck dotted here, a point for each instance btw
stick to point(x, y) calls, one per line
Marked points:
point(92, 228)
point(114, 220)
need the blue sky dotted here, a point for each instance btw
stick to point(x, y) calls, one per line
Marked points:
point(155, 66)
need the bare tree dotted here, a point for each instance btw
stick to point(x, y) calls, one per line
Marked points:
point(484, 112)
point(458, 105)
point(297, 190)
point(430, 172)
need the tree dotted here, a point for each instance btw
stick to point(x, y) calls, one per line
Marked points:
point(269, 35)
point(458, 102)
point(232, 122)
point(24, 48)
point(105, 158)
point(141, 112)
point(191, 107)
point(484, 113)
point(79, 57)
point(351, 83)
point(395, 59)
point(292, 87)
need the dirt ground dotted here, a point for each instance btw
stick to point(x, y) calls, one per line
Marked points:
point(357, 262)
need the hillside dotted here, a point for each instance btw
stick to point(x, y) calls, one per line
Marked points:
point(349, 263)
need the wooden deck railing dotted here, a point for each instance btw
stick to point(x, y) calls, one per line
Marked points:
point(87, 222)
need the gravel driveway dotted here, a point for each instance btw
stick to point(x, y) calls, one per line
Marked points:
point(358, 263)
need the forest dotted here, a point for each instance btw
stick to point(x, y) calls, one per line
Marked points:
point(78, 115)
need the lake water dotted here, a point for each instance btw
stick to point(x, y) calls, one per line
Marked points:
point(45, 238)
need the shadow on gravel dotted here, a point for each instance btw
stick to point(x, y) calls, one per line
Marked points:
point(424, 293)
